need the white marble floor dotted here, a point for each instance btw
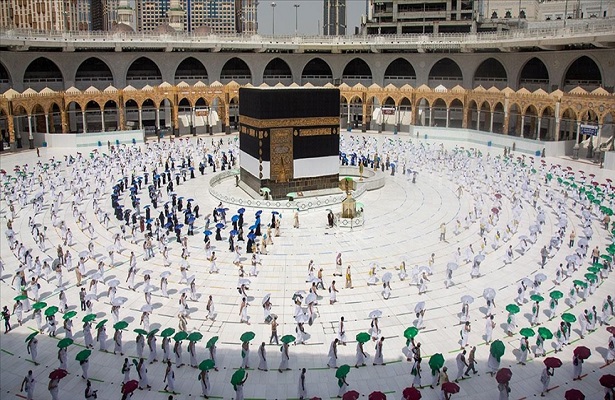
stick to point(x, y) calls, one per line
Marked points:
point(402, 221)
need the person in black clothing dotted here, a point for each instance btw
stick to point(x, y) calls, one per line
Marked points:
point(6, 315)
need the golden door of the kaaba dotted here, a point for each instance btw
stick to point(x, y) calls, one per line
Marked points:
point(281, 156)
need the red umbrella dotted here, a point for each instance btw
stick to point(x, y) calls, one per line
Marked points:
point(574, 394)
point(609, 180)
point(130, 386)
point(58, 374)
point(351, 395)
point(495, 210)
point(608, 381)
point(498, 196)
point(377, 396)
point(450, 387)
point(592, 175)
point(315, 398)
point(553, 362)
point(503, 375)
point(412, 393)
point(582, 352)
point(611, 329)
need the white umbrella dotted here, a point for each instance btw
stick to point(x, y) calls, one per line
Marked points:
point(90, 296)
point(113, 283)
point(110, 248)
point(84, 254)
point(266, 298)
point(244, 281)
point(452, 266)
point(424, 268)
point(572, 258)
point(375, 314)
point(149, 289)
point(534, 228)
point(387, 277)
point(479, 258)
point(300, 293)
point(147, 272)
point(314, 279)
point(184, 290)
point(165, 274)
point(191, 278)
point(527, 281)
point(467, 299)
point(119, 301)
point(583, 242)
point(588, 231)
point(489, 293)
point(524, 237)
point(374, 264)
point(420, 306)
point(146, 308)
point(96, 276)
point(540, 277)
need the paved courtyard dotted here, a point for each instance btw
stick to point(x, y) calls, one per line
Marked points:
point(402, 222)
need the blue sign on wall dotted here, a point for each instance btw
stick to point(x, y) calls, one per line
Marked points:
point(589, 130)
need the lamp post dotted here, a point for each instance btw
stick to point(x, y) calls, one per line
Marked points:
point(296, 19)
point(273, 20)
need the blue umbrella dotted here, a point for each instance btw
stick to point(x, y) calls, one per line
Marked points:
point(190, 199)
point(274, 212)
point(191, 168)
point(157, 176)
point(220, 210)
point(180, 197)
point(191, 220)
point(235, 218)
point(233, 232)
point(241, 211)
point(168, 224)
point(251, 236)
point(146, 206)
point(149, 221)
point(179, 226)
point(253, 227)
point(219, 225)
point(207, 232)
point(259, 212)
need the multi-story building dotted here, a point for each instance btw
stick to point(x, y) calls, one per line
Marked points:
point(334, 17)
point(59, 15)
point(446, 16)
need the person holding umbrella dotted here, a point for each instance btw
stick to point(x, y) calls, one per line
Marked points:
point(245, 354)
point(177, 349)
point(237, 380)
point(361, 354)
point(341, 374)
point(117, 341)
point(83, 358)
point(53, 388)
point(31, 347)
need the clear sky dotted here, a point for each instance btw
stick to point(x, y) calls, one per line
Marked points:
point(309, 14)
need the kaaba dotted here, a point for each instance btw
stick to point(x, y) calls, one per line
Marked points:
point(289, 139)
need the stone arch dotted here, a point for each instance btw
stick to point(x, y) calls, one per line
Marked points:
point(93, 72)
point(422, 110)
point(490, 72)
point(6, 81)
point(404, 111)
point(472, 114)
point(131, 114)
point(93, 120)
point(400, 72)
point(41, 73)
point(277, 71)
point(317, 72)
point(534, 75)
point(357, 71)
point(568, 124)
point(75, 117)
point(143, 71)
point(38, 115)
point(445, 72)
point(111, 116)
point(439, 111)
point(236, 70)
point(149, 113)
point(191, 70)
point(355, 111)
point(530, 122)
point(514, 119)
point(498, 117)
point(584, 72)
point(455, 114)
point(546, 123)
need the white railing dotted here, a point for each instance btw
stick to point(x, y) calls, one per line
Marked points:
point(100, 39)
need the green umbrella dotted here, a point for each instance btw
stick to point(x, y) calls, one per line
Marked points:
point(545, 333)
point(594, 270)
point(527, 332)
point(38, 306)
point(363, 337)
point(549, 176)
point(89, 318)
point(69, 315)
point(22, 297)
point(411, 332)
point(287, 339)
point(179, 336)
point(580, 283)
point(513, 308)
point(31, 336)
point(238, 376)
point(342, 371)
point(195, 336)
point(206, 365)
point(101, 323)
point(152, 332)
point(65, 343)
point(83, 355)
point(247, 336)
point(610, 250)
point(120, 325)
point(567, 317)
point(51, 311)
point(211, 342)
point(537, 297)
point(140, 331)
point(606, 257)
point(167, 332)
point(497, 349)
point(591, 277)
point(556, 294)
point(436, 361)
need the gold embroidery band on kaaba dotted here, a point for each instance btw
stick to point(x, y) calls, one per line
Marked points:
point(288, 122)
